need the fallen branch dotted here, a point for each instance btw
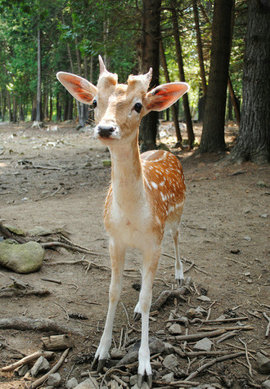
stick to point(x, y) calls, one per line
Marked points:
point(28, 358)
point(25, 324)
point(68, 246)
point(229, 320)
point(247, 357)
point(40, 381)
point(199, 335)
point(176, 384)
point(102, 267)
point(232, 328)
point(166, 294)
point(211, 363)
point(20, 289)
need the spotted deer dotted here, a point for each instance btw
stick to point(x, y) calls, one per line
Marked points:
point(147, 191)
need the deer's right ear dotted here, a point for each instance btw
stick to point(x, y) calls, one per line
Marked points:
point(78, 87)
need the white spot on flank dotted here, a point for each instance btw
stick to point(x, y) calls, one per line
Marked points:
point(164, 197)
point(158, 220)
point(154, 185)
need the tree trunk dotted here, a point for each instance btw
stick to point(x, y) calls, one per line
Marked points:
point(234, 101)
point(150, 58)
point(182, 74)
point(214, 116)
point(174, 108)
point(199, 46)
point(38, 111)
point(253, 142)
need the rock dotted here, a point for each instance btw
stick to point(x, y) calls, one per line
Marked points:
point(168, 377)
point(156, 345)
point(117, 354)
point(72, 383)
point(170, 362)
point(54, 380)
point(203, 386)
point(263, 363)
point(204, 298)
point(41, 365)
point(175, 329)
point(133, 380)
point(266, 384)
point(21, 371)
point(88, 384)
point(204, 344)
point(21, 258)
point(199, 312)
point(169, 349)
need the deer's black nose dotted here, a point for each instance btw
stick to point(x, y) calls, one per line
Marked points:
point(105, 131)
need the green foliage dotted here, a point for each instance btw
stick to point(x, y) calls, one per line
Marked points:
point(75, 32)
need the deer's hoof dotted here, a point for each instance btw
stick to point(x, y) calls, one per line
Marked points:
point(137, 316)
point(141, 380)
point(98, 364)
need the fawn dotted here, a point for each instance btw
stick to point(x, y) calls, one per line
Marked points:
point(147, 191)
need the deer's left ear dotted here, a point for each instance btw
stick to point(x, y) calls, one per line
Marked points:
point(163, 96)
point(78, 87)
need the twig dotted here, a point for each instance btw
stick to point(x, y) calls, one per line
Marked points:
point(28, 358)
point(40, 381)
point(226, 336)
point(176, 384)
point(199, 335)
point(66, 313)
point(52, 280)
point(247, 358)
point(102, 267)
point(229, 320)
point(268, 326)
point(211, 363)
point(232, 328)
point(69, 247)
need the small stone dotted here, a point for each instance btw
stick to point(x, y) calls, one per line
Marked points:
point(175, 329)
point(72, 383)
point(168, 377)
point(266, 384)
point(204, 344)
point(263, 363)
point(133, 380)
point(117, 354)
point(264, 215)
point(204, 298)
point(88, 384)
point(54, 379)
point(248, 238)
point(156, 345)
point(41, 365)
point(170, 362)
point(21, 371)
point(169, 349)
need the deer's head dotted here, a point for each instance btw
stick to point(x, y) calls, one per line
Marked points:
point(119, 108)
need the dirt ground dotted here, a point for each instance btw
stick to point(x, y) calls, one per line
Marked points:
point(56, 178)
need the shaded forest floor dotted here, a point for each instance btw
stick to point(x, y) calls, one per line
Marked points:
point(57, 179)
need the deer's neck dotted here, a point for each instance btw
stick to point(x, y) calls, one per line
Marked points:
point(127, 176)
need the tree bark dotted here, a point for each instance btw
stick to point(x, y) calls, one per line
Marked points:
point(174, 109)
point(150, 58)
point(199, 46)
point(38, 111)
point(182, 73)
point(214, 116)
point(253, 142)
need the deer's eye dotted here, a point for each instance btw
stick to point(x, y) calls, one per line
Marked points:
point(94, 103)
point(138, 107)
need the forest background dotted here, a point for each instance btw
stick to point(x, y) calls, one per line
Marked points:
point(198, 41)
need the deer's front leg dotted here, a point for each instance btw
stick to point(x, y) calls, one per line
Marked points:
point(117, 254)
point(150, 263)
